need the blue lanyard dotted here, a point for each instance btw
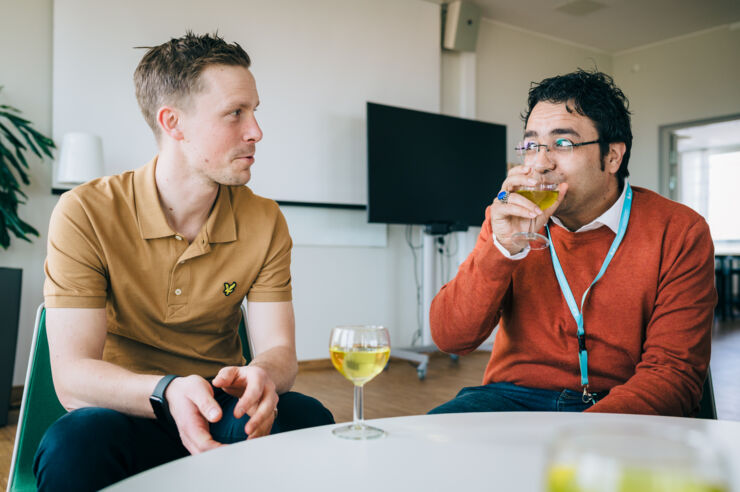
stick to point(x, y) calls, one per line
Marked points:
point(568, 294)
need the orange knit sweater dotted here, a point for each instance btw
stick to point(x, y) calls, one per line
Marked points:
point(647, 321)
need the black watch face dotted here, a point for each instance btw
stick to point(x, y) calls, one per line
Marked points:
point(157, 406)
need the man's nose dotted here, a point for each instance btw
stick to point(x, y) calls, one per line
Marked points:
point(543, 160)
point(253, 132)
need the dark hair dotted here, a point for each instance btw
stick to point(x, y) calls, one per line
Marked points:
point(170, 72)
point(594, 95)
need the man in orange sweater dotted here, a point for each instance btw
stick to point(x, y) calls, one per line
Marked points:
point(615, 315)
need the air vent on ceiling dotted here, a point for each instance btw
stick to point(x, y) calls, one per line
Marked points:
point(579, 7)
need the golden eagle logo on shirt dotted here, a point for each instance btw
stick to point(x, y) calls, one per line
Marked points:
point(229, 288)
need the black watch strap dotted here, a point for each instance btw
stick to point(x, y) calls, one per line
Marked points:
point(159, 402)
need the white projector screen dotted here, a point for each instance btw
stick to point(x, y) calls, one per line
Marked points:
point(316, 64)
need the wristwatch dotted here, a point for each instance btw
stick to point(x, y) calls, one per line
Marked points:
point(159, 402)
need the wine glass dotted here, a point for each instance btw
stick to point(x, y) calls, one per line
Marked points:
point(359, 353)
point(544, 194)
point(635, 458)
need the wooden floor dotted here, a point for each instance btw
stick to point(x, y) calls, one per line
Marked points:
point(7, 436)
point(398, 391)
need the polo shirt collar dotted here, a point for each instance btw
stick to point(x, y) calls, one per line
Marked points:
point(220, 225)
point(152, 222)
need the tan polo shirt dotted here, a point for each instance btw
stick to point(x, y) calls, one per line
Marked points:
point(172, 307)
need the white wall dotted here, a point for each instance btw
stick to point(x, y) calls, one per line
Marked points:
point(509, 59)
point(353, 285)
point(25, 71)
point(690, 78)
point(316, 64)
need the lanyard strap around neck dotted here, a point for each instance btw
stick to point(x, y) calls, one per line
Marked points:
point(568, 294)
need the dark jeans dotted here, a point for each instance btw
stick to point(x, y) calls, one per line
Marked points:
point(508, 397)
point(91, 448)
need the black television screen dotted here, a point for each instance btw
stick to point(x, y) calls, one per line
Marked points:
point(431, 169)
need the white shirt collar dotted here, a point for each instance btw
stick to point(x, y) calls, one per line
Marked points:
point(610, 218)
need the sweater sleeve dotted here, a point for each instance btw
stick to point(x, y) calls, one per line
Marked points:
point(466, 310)
point(669, 377)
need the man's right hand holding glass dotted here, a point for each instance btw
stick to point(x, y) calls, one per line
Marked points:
point(514, 214)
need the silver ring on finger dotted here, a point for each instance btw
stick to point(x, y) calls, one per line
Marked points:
point(503, 196)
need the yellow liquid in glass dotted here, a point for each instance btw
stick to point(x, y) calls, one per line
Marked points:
point(564, 478)
point(542, 198)
point(359, 364)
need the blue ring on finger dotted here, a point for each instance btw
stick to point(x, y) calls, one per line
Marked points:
point(503, 196)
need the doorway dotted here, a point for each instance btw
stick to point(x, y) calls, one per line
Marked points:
point(700, 167)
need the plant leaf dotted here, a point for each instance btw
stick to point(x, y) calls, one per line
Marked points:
point(10, 108)
point(20, 125)
point(14, 162)
point(14, 131)
point(4, 236)
point(19, 147)
point(18, 226)
point(16, 120)
point(45, 143)
point(11, 137)
point(7, 179)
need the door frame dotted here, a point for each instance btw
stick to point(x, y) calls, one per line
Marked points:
point(667, 172)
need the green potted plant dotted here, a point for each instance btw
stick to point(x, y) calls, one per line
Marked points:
point(17, 140)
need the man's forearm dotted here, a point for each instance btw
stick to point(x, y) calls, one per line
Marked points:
point(96, 383)
point(281, 366)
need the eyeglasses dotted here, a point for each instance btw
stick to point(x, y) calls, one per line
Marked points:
point(560, 147)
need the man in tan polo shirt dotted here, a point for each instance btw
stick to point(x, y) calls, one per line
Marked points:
point(145, 275)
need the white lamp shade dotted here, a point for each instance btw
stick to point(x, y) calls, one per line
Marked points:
point(81, 158)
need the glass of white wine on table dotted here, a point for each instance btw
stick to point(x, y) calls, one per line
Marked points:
point(649, 457)
point(359, 353)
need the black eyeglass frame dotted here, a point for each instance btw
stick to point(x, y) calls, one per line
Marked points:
point(522, 150)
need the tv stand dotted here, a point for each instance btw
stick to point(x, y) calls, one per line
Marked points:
point(430, 287)
point(442, 229)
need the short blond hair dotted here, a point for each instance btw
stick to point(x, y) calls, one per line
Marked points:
point(170, 73)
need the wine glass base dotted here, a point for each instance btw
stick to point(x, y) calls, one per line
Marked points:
point(531, 239)
point(358, 432)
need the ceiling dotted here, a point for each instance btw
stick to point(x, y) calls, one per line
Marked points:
point(612, 26)
point(722, 134)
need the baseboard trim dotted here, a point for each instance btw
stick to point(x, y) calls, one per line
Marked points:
point(16, 395)
point(314, 365)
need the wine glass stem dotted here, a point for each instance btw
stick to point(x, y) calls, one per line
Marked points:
point(358, 417)
point(531, 226)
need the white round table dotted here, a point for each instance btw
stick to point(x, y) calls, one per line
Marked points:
point(453, 452)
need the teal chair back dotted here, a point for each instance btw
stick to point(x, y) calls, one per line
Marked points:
point(707, 408)
point(244, 337)
point(40, 406)
point(39, 409)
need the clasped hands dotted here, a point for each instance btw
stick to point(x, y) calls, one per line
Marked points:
point(193, 406)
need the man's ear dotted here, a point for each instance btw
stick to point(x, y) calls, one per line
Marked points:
point(168, 119)
point(614, 158)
